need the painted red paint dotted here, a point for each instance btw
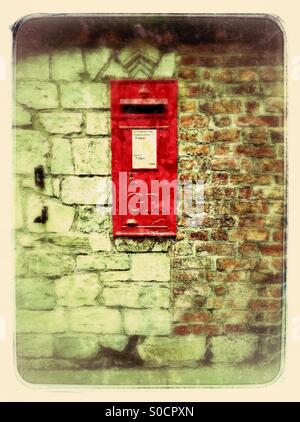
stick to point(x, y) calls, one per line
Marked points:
point(144, 154)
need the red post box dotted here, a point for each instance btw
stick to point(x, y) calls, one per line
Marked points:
point(144, 157)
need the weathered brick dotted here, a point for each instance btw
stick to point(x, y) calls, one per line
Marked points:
point(35, 345)
point(67, 65)
point(244, 88)
point(188, 106)
point(91, 156)
point(194, 121)
point(42, 262)
point(33, 67)
point(41, 321)
point(273, 89)
point(227, 135)
point(35, 294)
point(268, 304)
point(79, 346)
point(249, 120)
point(271, 74)
point(101, 262)
point(172, 350)
point(114, 71)
point(221, 106)
point(61, 122)
point(31, 150)
point(222, 121)
point(252, 106)
point(191, 149)
point(84, 95)
point(95, 60)
point(268, 192)
point(224, 164)
point(274, 105)
point(100, 242)
point(77, 290)
point(147, 322)
point(150, 267)
point(38, 95)
point(22, 117)
point(62, 162)
point(233, 348)
point(97, 123)
point(236, 264)
point(85, 190)
point(96, 319)
point(60, 217)
point(268, 165)
point(138, 295)
point(166, 66)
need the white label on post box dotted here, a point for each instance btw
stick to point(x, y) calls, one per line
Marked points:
point(144, 149)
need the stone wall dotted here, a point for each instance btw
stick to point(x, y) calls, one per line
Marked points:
point(86, 300)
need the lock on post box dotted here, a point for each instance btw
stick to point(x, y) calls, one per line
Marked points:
point(144, 157)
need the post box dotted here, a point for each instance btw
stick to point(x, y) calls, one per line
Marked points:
point(144, 157)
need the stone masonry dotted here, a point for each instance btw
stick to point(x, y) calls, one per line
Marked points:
point(213, 295)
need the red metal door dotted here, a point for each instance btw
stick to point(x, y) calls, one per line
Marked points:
point(144, 157)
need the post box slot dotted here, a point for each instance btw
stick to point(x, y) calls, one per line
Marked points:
point(143, 108)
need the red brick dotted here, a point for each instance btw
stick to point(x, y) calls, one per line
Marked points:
point(245, 192)
point(274, 105)
point(256, 235)
point(189, 106)
point(219, 235)
point(222, 149)
point(236, 276)
point(235, 328)
point(249, 120)
point(188, 73)
point(225, 164)
point(203, 316)
point(227, 135)
point(192, 149)
point(222, 106)
point(277, 136)
point(246, 75)
point(252, 106)
point(199, 235)
point(220, 290)
point(236, 264)
point(214, 248)
point(225, 75)
point(271, 249)
point(195, 121)
point(222, 121)
point(219, 178)
point(271, 74)
point(257, 277)
point(267, 304)
point(248, 249)
point(267, 165)
point(209, 329)
point(250, 207)
point(256, 151)
point(182, 330)
point(245, 88)
point(251, 221)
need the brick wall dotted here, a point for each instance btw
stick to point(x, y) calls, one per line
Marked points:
point(214, 294)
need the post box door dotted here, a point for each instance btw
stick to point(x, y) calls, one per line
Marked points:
point(144, 167)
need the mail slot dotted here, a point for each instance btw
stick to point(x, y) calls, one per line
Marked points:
point(144, 157)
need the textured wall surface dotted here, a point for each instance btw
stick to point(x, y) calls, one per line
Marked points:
point(212, 296)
